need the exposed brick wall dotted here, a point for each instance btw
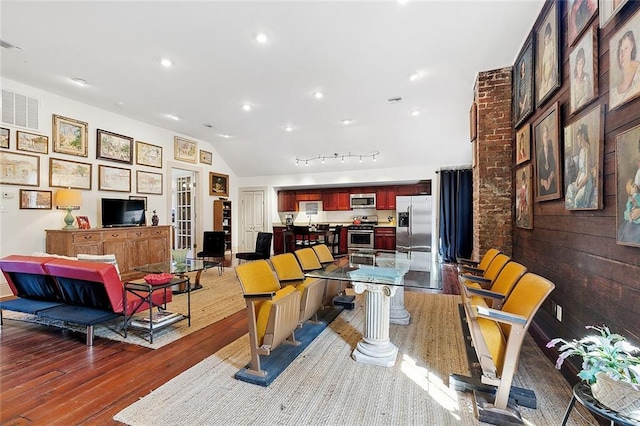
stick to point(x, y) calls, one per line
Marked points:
point(492, 182)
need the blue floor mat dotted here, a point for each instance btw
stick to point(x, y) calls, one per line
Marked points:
point(284, 354)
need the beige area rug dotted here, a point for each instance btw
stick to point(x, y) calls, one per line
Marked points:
point(324, 386)
point(220, 297)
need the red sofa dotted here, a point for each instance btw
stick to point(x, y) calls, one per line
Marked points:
point(78, 292)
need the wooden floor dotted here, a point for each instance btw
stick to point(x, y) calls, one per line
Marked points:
point(49, 376)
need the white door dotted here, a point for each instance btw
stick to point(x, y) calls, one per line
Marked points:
point(253, 218)
point(184, 209)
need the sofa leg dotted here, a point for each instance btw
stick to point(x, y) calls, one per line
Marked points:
point(89, 335)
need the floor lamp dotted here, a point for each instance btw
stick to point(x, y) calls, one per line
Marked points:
point(68, 199)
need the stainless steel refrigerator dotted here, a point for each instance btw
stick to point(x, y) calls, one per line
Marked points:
point(413, 229)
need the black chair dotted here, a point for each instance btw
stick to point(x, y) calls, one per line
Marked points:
point(213, 248)
point(302, 237)
point(334, 240)
point(263, 248)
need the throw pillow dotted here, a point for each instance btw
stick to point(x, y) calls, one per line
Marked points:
point(103, 258)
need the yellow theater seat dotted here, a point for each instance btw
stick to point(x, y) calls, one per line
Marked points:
point(500, 289)
point(472, 267)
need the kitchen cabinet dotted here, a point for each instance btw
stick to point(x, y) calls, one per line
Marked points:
point(222, 220)
point(309, 195)
point(335, 199)
point(287, 201)
point(278, 239)
point(384, 238)
point(386, 197)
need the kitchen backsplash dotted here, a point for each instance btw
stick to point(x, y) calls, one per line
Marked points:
point(334, 217)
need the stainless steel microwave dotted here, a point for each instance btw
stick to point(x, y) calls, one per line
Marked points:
point(363, 201)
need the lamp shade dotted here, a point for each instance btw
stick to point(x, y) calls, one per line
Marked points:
point(68, 199)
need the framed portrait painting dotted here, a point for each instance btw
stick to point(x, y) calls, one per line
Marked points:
point(5, 137)
point(35, 200)
point(583, 161)
point(218, 184)
point(583, 77)
point(148, 154)
point(114, 179)
point(206, 157)
point(627, 184)
point(523, 144)
point(609, 9)
point(32, 142)
point(114, 147)
point(69, 174)
point(185, 150)
point(524, 199)
point(579, 13)
point(547, 45)
point(523, 84)
point(546, 132)
point(19, 169)
point(148, 183)
point(624, 65)
point(70, 136)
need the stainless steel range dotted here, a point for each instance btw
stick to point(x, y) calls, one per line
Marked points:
point(360, 233)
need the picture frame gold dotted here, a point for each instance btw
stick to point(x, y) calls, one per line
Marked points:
point(19, 169)
point(148, 154)
point(114, 147)
point(185, 150)
point(32, 142)
point(218, 184)
point(206, 157)
point(32, 199)
point(5, 138)
point(148, 182)
point(523, 144)
point(547, 61)
point(116, 179)
point(583, 71)
point(524, 199)
point(623, 45)
point(546, 133)
point(69, 174)
point(627, 171)
point(70, 136)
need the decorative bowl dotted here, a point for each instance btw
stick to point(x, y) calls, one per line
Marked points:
point(157, 279)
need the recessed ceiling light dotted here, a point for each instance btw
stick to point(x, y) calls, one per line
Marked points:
point(394, 100)
point(402, 1)
point(246, 107)
point(173, 117)
point(166, 62)
point(79, 81)
point(262, 38)
point(225, 135)
point(288, 128)
point(416, 75)
point(415, 113)
point(318, 95)
point(119, 103)
point(347, 121)
point(208, 126)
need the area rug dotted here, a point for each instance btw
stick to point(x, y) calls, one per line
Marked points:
point(220, 297)
point(324, 386)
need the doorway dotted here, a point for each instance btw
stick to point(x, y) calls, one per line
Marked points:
point(184, 208)
point(253, 217)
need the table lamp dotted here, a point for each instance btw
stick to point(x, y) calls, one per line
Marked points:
point(68, 199)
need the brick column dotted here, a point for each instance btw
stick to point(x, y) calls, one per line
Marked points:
point(492, 176)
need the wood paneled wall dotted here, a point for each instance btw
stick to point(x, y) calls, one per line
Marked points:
point(597, 280)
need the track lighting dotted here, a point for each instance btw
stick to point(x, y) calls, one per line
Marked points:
point(336, 156)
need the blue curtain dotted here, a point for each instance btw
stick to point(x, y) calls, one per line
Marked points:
point(456, 214)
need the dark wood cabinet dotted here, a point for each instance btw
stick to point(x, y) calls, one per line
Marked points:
point(287, 201)
point(309, 195)
point(335, 199)
point(386, 197)
point(278, 239)
point(222, 220)
point(384, 238)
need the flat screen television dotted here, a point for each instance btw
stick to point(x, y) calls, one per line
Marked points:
point(117, 212)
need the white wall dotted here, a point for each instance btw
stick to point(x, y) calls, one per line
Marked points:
point(22, 231)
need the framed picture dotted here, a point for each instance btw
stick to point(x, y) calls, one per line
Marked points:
point(148, 155)
point(218, 184)
point(546, 130)
point(32, 142)
point(70, 136)
point(83, 222)
point(69, 174)
point(609, 9)
point(473, 122)
point(624, 69)
point(34, 199)
point(523, 144)
point(580, 13)
point(524, 199)
point(139, 197)
point(583, 161)
point(547, 47)
point(583, 75)
point(206, 157)
point(523, 84)
point(114, 147)
point(5, 137)
point(114, 179)
point(185, 150)
point(19, 169)
point(148, 183)
point(627, 184)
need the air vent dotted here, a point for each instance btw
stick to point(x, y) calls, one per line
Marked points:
point(394, 100)
point(20, 110)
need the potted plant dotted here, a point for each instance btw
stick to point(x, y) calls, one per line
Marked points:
point(610, 364)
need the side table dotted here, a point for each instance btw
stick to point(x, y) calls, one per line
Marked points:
point(143, 291)
point(582, 394)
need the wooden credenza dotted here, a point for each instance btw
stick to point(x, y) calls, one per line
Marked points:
point(133, 246)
